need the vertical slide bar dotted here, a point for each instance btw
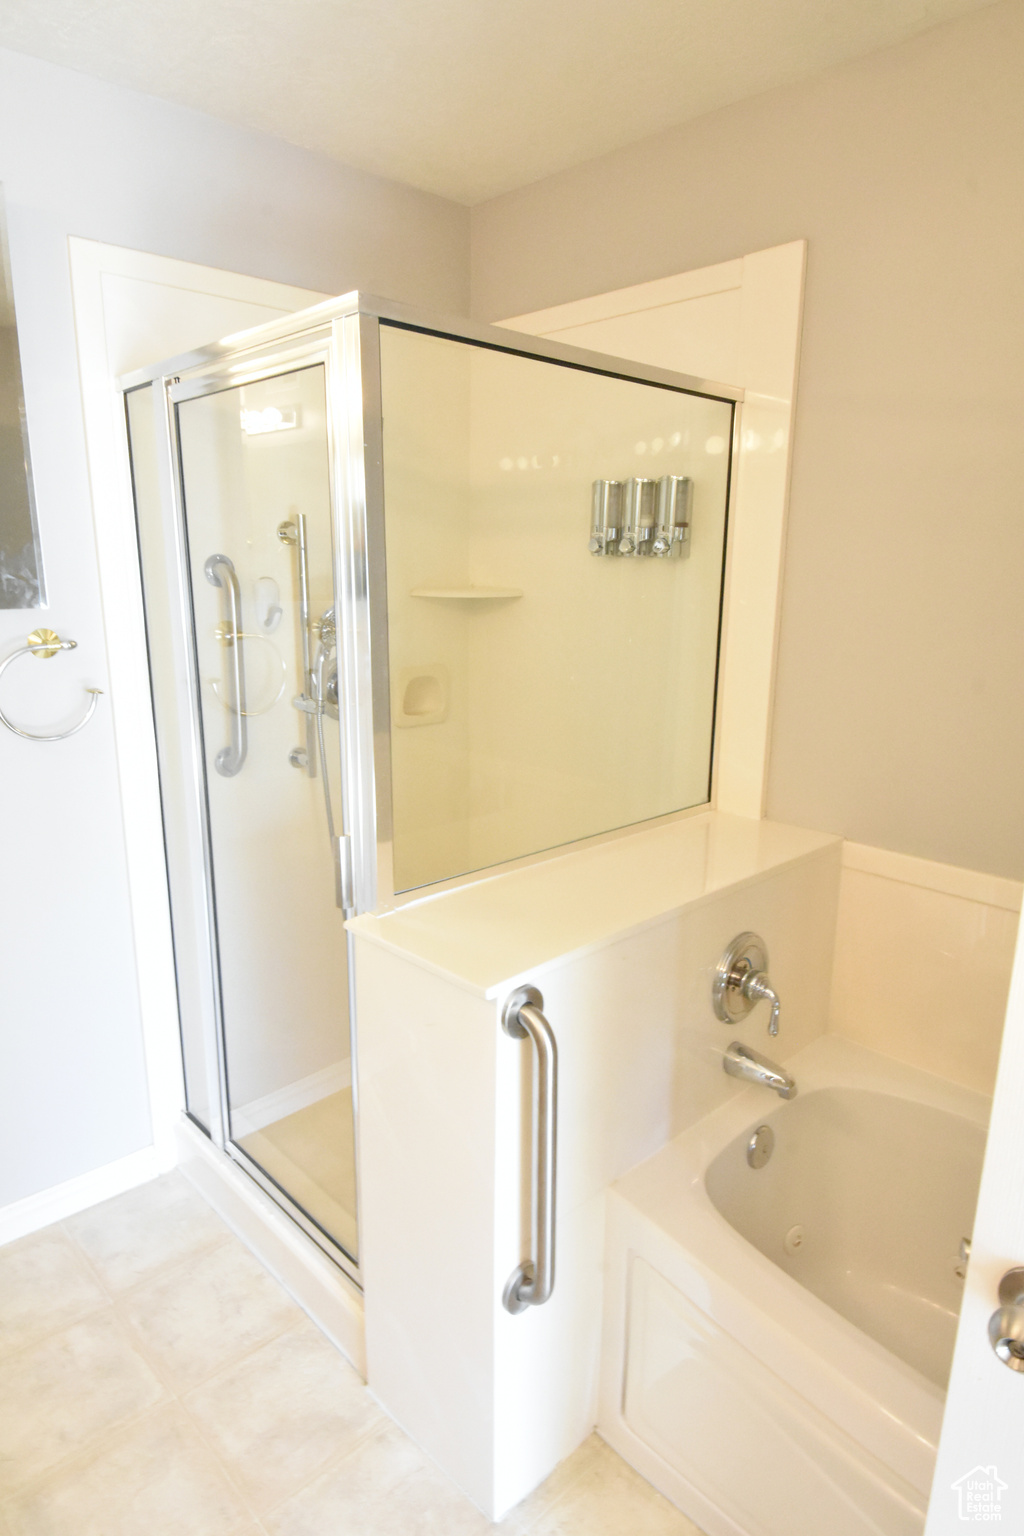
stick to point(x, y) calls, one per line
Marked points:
point(294, 532)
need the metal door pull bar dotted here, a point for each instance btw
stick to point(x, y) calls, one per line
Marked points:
point(220, 572)
point(532, 1282)
point(45, 643)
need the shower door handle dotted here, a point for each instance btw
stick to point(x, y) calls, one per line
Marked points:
point(220, 572)
point(531, 1283)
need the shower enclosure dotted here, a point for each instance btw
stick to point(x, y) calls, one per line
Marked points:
point(422, 598)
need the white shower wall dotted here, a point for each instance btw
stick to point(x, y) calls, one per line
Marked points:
point(583, 700)
point(427, 477)
point(627, 735)
point(924, 953)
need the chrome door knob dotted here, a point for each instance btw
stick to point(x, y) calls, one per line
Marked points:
point(1006, 1327)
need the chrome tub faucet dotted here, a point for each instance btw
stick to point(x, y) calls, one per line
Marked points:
point(741, 980)
point(744, 1062)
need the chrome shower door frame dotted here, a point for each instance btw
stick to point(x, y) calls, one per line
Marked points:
point(210, 375)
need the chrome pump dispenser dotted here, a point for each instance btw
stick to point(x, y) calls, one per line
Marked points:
point(672, 521)
point(637, 516)
point(605, 517)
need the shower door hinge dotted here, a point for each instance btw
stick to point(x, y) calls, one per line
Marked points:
point(343, 893)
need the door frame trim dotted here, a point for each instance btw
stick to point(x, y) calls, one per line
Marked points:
point(91, 263)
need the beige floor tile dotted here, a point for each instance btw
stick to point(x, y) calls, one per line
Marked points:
point(45, 1285)
point(60, 1395)
point(135, 1234)
point(429, 1504)
point(284, 1412)
point(525, 1516)
point(610, 1499)
point(387, 1487)
point(195, 1319)
point(156, 1479)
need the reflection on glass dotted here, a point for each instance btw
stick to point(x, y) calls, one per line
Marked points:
point(21, 566)
point(171, 709)
point(255, 476)
point(541, 693)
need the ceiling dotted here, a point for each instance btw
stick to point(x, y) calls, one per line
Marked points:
point(466, 98)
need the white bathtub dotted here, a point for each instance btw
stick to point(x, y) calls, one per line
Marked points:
point(777, 1340)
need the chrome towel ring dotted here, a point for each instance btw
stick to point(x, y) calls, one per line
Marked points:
point(44, 643)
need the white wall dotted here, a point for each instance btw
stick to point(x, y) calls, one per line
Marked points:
point(81, 157)
point(923, 958)
point(899, 718)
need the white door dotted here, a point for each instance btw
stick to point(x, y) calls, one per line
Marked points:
point(979, 1477)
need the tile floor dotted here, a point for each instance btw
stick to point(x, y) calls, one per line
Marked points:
point(155, 1381)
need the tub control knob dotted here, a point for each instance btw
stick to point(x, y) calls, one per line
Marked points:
point(741, 980)
point(1006, 1327)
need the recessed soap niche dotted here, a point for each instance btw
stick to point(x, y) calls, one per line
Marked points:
point(420, 695)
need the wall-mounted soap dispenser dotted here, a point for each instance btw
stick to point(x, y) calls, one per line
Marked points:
point(672, 519)
point(605, 517)
point(641, 517)
point(637, 516)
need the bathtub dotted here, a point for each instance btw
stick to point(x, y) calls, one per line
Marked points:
point(777, 1340)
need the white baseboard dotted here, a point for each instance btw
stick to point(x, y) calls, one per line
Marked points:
point(319, 1287)
point(288, 1100)
point(50, 1205)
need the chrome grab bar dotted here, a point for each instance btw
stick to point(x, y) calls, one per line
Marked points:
point(293, 532)
point(44, 643)
point(220, 572)
point(532, 1282)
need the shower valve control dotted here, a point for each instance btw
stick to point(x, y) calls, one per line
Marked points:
point(741, 980)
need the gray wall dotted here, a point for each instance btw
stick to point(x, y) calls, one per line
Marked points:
point(899, 718)
point(84, 158)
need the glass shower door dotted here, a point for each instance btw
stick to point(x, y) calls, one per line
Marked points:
point(257, 513)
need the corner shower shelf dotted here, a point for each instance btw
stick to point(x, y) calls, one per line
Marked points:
point(467, 594)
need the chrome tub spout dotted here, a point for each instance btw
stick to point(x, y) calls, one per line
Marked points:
point(741, 1061)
